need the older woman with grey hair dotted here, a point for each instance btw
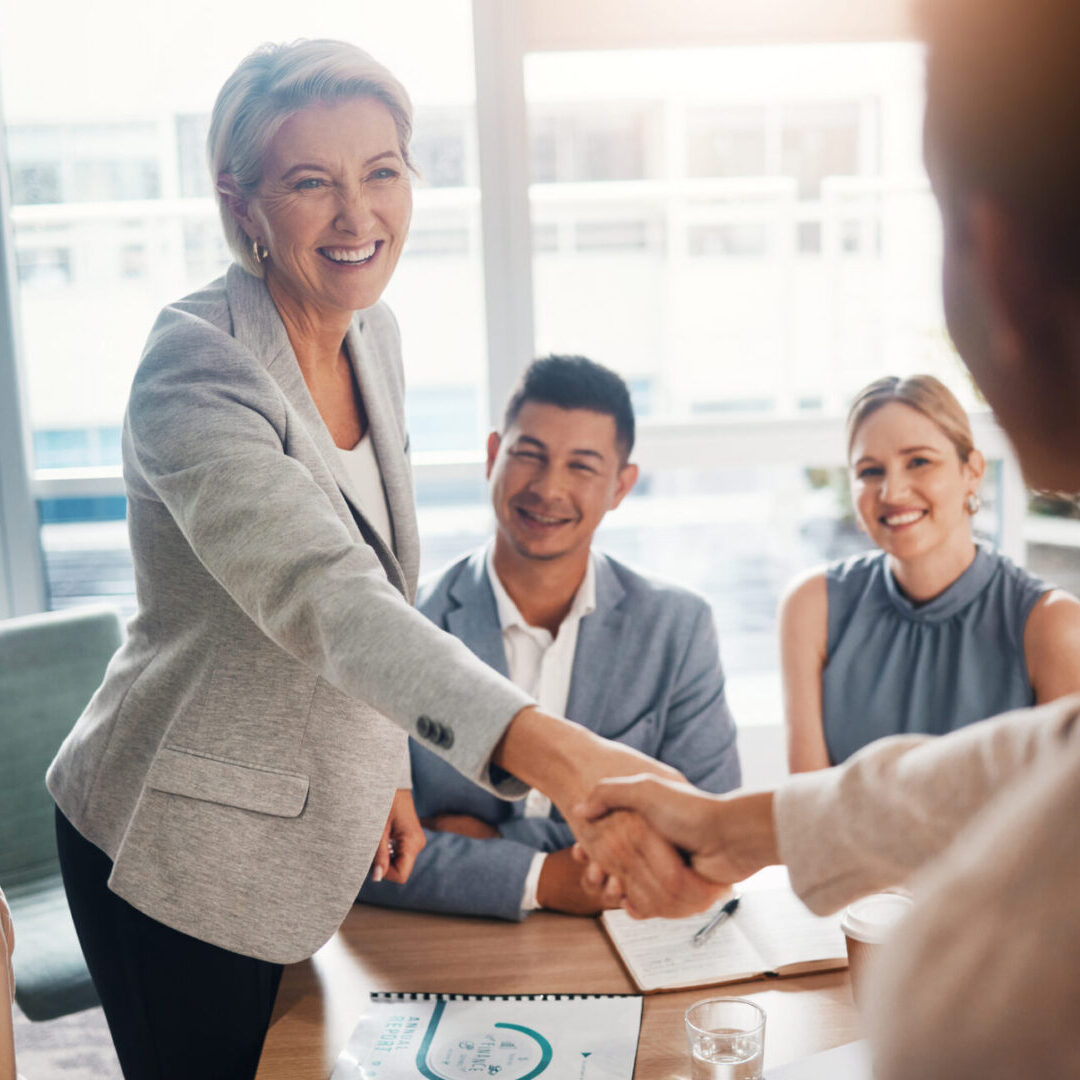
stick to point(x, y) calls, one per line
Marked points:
point(244, 763)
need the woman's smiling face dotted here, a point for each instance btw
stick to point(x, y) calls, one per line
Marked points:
point(333, 208)
point(908, 484)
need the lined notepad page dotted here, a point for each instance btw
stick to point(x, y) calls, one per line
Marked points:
point(659, 953)
point(770, 930)
point(783, 931)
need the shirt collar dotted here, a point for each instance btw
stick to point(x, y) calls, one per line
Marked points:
point(583, 603)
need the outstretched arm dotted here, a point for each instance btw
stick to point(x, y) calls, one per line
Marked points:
point(728, 837)
point(566, 761)
point(849, 830)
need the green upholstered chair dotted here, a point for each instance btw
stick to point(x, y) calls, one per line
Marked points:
point(50, 665)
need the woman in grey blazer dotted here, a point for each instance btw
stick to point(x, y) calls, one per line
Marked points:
point(222, 797)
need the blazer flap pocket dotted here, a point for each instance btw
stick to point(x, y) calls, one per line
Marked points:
point(248, 787)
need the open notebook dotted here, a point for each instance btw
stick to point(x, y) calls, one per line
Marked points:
point(771, 933)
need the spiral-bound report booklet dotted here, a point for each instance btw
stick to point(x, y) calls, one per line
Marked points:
point(512, 1037)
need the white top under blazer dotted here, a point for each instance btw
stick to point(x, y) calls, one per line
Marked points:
point(363, 468)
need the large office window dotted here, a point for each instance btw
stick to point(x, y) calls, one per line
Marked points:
point(740, 231)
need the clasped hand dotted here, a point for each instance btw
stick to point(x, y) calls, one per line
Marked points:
point(659, 846)
point(635, 817)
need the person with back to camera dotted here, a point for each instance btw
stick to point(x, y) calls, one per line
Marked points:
point(982, 980)
point(935, 630)
point(244, 763)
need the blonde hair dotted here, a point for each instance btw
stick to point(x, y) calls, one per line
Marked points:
point(924, 394)
point(270, 85)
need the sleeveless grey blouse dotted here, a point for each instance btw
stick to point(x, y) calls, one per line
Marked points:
point(894, 667)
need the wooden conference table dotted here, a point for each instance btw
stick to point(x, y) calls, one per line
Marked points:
point(378, 949)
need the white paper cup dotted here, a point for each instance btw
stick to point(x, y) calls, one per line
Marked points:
point(867, 924)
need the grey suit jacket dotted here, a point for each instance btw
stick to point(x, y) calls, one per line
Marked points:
point(646, 673)
point(238, 762)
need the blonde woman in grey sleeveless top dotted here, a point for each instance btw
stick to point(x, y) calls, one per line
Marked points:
point(934, 630)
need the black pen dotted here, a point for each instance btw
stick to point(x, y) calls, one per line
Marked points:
point(724, 913)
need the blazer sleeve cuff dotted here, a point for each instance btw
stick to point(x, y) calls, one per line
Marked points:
point(466, 736)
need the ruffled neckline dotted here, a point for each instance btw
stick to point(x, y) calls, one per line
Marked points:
point(955, 598)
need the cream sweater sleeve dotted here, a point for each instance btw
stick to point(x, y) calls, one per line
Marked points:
point(872, 822)
point(983, 978)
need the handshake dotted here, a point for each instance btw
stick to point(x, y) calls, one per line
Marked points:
point(655, 845)
point(647, 840)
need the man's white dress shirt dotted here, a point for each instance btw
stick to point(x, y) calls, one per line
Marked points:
point(541, 664)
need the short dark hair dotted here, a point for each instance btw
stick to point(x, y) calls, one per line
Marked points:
point(1003, 84)
point(575, 382)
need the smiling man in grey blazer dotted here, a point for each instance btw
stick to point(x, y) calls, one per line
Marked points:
point(633, 658)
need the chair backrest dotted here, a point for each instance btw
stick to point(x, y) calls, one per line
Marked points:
point(50, 666)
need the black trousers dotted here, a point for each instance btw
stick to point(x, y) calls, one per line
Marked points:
point(178, 1008)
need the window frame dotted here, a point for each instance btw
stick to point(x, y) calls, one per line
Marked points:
point(22, 569)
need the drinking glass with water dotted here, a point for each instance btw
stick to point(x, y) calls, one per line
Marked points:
point(727, 1039)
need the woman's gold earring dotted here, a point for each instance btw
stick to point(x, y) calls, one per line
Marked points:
point(973, 504)
point(258, 252)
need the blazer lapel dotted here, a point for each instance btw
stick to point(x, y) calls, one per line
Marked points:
point(389, 439)
point(596, 659)
point(258, 326)
point(475, 619)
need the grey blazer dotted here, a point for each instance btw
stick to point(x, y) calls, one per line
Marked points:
point(238, 761)
point(646, 673)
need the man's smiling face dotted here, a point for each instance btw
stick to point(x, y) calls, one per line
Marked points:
point(554, 473)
